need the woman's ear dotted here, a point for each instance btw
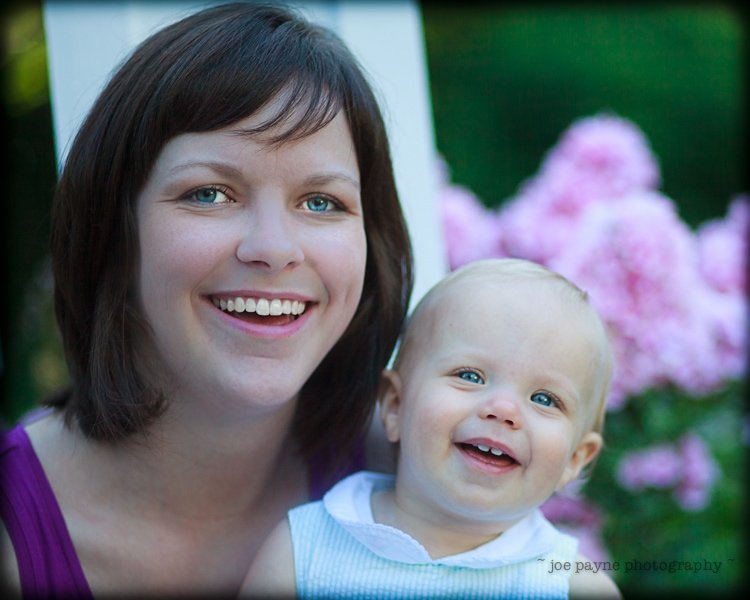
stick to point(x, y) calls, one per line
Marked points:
point(585, 452)
point(389, 400)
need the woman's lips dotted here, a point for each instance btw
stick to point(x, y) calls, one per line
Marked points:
point(263, 317)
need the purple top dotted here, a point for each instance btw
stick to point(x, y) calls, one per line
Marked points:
point(48, 565)
point(47, 562)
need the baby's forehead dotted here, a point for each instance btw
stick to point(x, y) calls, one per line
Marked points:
point(538, 301)
point(458, 295)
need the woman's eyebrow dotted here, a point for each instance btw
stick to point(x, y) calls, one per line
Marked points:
point(218, 166)
point(230, 170)
point(332, 177)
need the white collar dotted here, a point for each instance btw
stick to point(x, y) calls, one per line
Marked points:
point(348, 502)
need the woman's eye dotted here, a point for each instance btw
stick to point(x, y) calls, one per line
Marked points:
point(209, 195)
point(544, 399)
point(471, 377)
point(318, 203)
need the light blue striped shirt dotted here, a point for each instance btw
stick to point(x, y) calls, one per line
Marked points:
point(340, 552)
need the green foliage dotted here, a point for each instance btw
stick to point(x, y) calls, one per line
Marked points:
point(649, 525)
point(507, 79)
point(25, 61)
point(31, 360)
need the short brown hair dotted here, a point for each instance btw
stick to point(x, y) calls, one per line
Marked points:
point(203, 73)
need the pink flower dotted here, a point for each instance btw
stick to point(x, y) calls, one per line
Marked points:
point(599, 159)
point(722, 260)
point(637, 261)
point(723, 248)
point(470, 229)
point(724, 317)
point(572, 510)
point(582, 520)
point(590, 542)
point(686, 467)
point(531, 229)
point(656, 467)
point(700, 472)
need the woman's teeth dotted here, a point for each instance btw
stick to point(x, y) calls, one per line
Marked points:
point(261, 306)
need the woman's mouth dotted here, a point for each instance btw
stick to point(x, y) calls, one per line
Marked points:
point(268, 311)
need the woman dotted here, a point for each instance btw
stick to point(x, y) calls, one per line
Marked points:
point(232, 270)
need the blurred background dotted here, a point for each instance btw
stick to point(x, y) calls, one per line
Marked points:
point(515, 89)
point(506, 80)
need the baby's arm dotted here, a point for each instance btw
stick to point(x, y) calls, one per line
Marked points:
point(590, 584)
point(272, 573)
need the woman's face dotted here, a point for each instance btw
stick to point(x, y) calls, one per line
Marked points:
point(252, 262)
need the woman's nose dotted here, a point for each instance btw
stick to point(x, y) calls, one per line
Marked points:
point(502, 408)
point(270, 238)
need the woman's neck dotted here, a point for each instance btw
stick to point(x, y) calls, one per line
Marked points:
point(208, 492)
point(182, 467)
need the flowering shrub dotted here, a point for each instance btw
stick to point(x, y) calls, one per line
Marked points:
point(686, 467)
point(673, 300)
point(581, 519)
point(600, 159)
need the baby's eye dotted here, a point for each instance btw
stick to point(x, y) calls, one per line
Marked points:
point(544, 399)
point(470, 376)
point(209, 195)
point(320, 204)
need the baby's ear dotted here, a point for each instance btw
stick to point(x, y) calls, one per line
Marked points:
point(389, 400)
point(585, 452)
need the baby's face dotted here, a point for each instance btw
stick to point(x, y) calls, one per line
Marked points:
point(490, 401)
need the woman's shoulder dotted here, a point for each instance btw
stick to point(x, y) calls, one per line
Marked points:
point(18, 448)
point(32, 430)
point(45, 429)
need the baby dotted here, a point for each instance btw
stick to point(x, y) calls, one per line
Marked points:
point(496, 400)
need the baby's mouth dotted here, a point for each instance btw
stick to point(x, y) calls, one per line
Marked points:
point(268, 311)
point(488, 454)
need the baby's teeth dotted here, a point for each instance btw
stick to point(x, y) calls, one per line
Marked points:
point(263, 308)
point(275, 307)
point(239, 304)
point(496, 451)
point(286, 307)
point(483, 448)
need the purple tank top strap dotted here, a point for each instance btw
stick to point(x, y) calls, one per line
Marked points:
point(48, 566)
